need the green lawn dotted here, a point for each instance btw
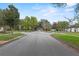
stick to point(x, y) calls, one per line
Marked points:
point(73, 33)
point(72, 40)
point(4, 37)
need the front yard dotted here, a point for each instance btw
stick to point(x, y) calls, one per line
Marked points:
point(5, 38)
point(71, 39)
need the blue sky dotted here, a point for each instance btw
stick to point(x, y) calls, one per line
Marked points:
point(43, 11)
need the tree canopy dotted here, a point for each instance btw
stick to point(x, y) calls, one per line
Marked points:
point(45, 24)
point(11, 16)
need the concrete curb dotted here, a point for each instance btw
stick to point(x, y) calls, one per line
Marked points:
point(9, 41)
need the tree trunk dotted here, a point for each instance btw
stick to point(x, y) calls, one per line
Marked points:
point(11, 30)
point(70, 29)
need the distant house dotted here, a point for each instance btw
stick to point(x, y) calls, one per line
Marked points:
point(53, 30)
point(1, 29)
point(72, 29)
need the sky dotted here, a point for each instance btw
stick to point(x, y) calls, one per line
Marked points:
point(43, 11)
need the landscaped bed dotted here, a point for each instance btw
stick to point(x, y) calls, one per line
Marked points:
point(71, 39)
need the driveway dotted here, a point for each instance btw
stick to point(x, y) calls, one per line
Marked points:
point(36, 44)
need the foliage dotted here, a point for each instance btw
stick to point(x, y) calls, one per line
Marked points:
point(1, 17)
point(26, 23)
point(34, 23)
point(11, 16)
point(77, 12)
point(45, 24)
point(30, 23)
point(54, 26)
point(60, 26)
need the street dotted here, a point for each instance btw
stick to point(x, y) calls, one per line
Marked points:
point(36, 44)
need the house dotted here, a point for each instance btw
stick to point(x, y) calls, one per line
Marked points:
point(1, 29)
point(72, 28)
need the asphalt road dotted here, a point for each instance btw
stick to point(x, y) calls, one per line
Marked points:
point(36, 44)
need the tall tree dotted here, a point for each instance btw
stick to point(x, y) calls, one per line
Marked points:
point(77, 11)
point(26, 23)
point(71, 20)
point(34, 22)
point(54, 26)
point(1, 18)
point(30, 23)
point(45, 24)
point(62, 25)
point(11, 16)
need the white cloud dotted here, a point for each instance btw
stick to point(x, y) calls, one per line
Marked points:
point(36, 8)
point(45, 11)
point(69, 9)
point(49, 11)
point(70, 4)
